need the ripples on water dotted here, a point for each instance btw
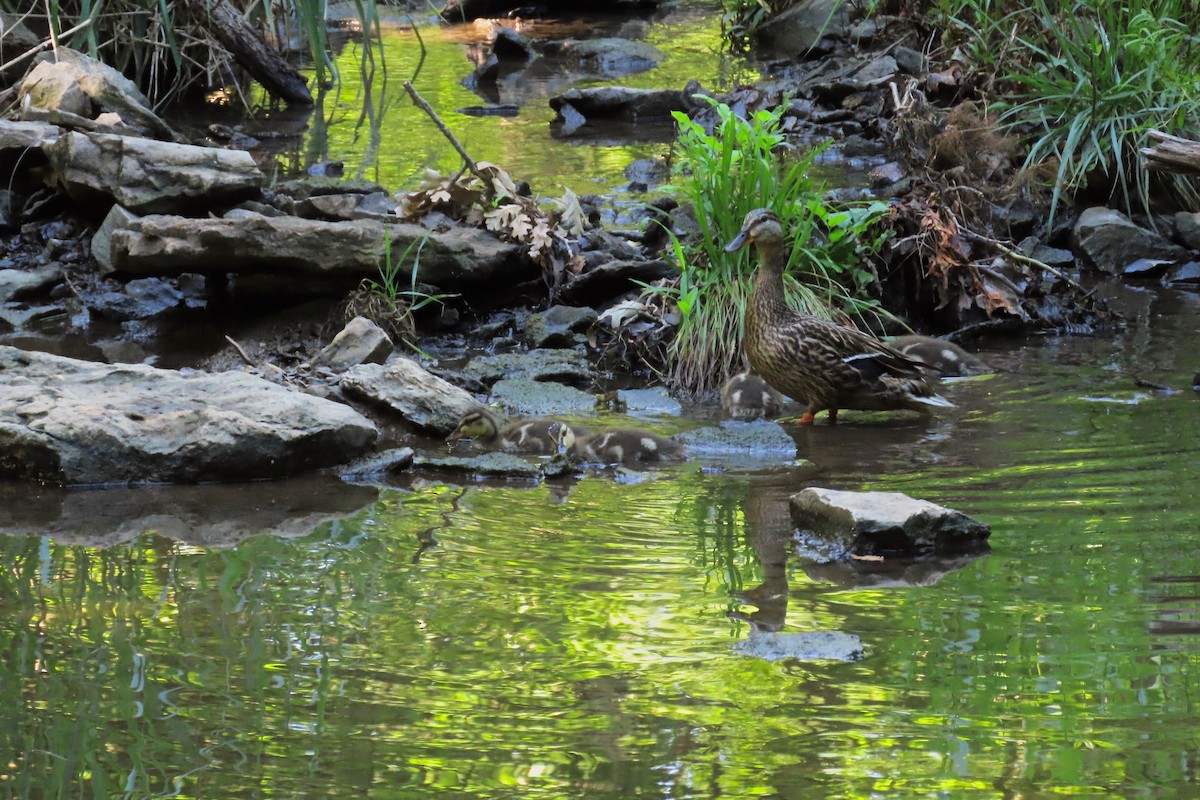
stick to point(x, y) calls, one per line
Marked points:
point(575, 640)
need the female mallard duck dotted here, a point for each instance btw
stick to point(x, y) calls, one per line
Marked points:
point(941, 356)
point(747, 396)
point(627, 446)
point(814, 361)
point(526, 436)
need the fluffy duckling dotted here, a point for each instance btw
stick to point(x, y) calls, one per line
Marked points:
point(524, 436)
point(943, 357)
point(626, 446)
point(747, 396)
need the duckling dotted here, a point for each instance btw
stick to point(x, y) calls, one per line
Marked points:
point(526, 436)
point(814, 361)
point(941, 356)
point(747, 396)
point(627, 446)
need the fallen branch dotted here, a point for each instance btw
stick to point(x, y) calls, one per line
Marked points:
point(1172, 154)
point(264, 63)
point(1024, 259)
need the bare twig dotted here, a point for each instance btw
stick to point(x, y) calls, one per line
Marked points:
point(241, 352)
point(51, 42)
point(420, 103)
point(1024, 259)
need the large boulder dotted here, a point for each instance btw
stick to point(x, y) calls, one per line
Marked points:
point(291, 247)
point(148, 176)
point(795, 31)
point(866, 523)
point(1112, 241)
point(77, 85)
point(64, 421)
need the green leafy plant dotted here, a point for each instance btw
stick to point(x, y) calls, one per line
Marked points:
point(742, 165)
point(1085, 81)
point(740, 20)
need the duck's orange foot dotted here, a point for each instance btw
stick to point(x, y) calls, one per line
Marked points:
point(807, 418)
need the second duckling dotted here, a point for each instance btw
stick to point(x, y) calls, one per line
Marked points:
point(524, 436)
point(941, 355)
point(747, 396)
point(625, 446)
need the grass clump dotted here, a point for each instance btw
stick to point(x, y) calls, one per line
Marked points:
point(1083, 82)
point(742, 165)
point(387, 302)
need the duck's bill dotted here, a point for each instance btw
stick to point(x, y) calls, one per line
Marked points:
point(738, 243)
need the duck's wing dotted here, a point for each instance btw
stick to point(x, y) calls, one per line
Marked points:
point(868, 356)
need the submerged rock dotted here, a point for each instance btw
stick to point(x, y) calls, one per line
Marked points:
point(738, 440)
point(1112, 241)
point(496, 465)
point(526, 397)
point(609, 57)
point(814, 646)
point(577, 107)
point(64, 421)
point(865, 523)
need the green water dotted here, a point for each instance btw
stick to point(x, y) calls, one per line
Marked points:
point(371, 125)
point(574, 641)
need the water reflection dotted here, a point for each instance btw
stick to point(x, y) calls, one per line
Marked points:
point(518, 641)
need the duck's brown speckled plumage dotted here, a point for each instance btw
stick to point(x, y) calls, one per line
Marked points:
point(816, 362)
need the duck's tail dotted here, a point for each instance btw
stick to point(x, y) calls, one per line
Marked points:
point(935, 400)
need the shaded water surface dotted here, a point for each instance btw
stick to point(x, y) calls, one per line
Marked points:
point(369, 122)
point(576, 640)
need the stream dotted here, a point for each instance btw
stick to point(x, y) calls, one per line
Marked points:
point(579, 638)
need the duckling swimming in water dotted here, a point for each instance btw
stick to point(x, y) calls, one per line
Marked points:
point(747, 396)
point(941, 355)
point(625, 446)
point(524, 436)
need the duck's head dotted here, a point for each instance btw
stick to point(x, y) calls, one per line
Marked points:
point(562, 436)
point(478, 423)
point(760, 225)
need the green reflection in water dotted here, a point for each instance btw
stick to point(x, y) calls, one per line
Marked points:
point(370, 124)
point(533, 642)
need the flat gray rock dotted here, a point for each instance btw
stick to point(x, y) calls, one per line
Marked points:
point(753, 441)
point(541, 365)
point(411, 391)
point(64, 421)
point(525, 397)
